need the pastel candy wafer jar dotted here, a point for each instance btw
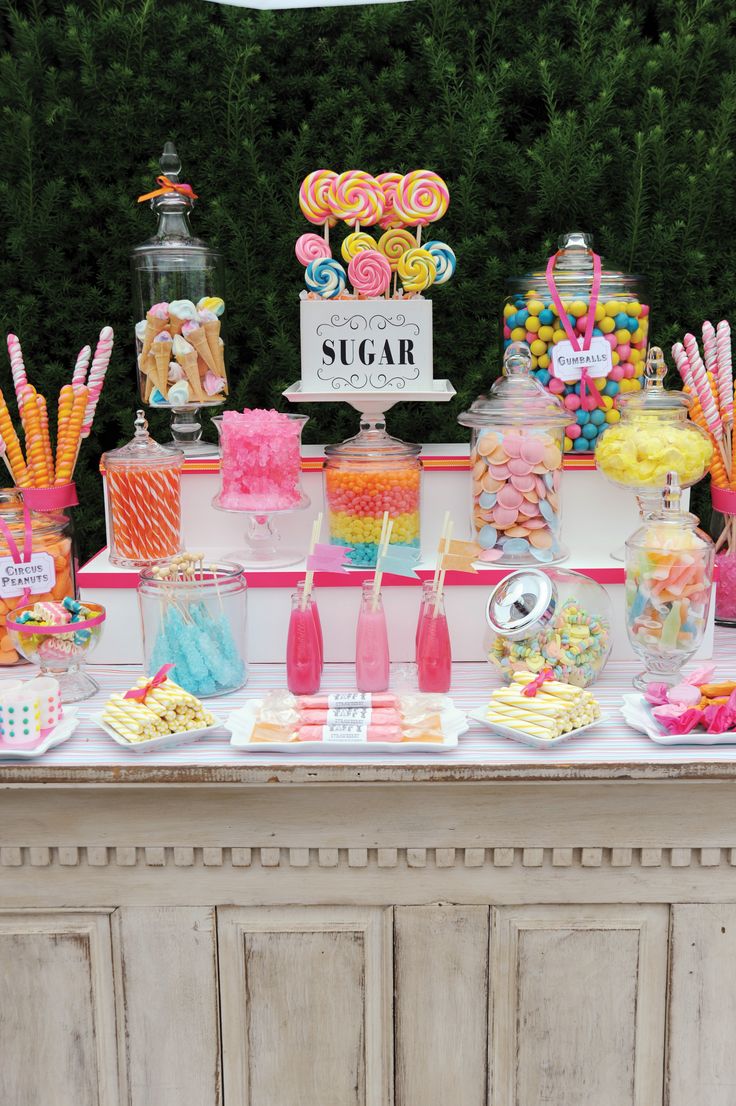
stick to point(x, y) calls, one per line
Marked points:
point(516, 467)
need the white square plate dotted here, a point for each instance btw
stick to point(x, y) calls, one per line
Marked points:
point(479, 715)
point(637, 713)
point(57, 736)
point(164, 742)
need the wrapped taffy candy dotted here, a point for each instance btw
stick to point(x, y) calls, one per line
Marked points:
point(541, 706)
point(333, 719)
point(154, 708)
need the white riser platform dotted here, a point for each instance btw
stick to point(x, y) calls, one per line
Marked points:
point(596, 519)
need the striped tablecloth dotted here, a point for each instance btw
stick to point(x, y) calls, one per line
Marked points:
point(611, 742)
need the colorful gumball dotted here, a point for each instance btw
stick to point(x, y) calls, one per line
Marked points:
point(313, 197)
point(394, 244)
point(326, 277)
point(444, 259)
point(311, 247)
point(422, 198)
point(356, 243)
point(369, 273)
point(357, 198)
point(391, 217)
point(417, 270)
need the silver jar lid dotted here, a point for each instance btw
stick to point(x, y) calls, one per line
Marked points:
point(521, 604)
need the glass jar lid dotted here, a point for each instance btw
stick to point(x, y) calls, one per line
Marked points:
point(143, 450)
point(521, 604)
point(574, 270)
point(516, 398)
point(372, 443)
point(654, 398)
point(173, 233)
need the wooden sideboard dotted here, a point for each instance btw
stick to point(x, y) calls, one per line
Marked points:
point(357, 936)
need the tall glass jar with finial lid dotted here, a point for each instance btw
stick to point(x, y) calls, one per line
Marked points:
point(178, 292)
point(516, 462)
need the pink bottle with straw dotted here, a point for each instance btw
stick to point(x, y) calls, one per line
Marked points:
point(434, 652)
point(303, 658)
point(371, 642)
point(311, 604)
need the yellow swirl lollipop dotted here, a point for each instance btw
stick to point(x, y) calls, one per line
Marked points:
point(356, 243)
point(417, 270)
point(394, 244)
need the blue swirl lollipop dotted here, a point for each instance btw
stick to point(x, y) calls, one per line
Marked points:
point(444, 259)
point(326, 277)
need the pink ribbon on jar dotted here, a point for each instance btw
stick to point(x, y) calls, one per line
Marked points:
point(587, 387)
point(27, 544)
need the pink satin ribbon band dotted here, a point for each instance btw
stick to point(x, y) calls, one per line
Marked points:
point(50, 499)
point(586, 383)
point(27, 543)
point(534, 685)
point(140, 693)
point(724, 500)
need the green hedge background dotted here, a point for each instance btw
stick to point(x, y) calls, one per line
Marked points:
point(614, 118)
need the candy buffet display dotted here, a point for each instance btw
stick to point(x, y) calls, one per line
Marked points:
point(58, 636)
point(539, 706)
point(669, 573)
point(193, 614)
point(155, 708)
point(553, 620)
point(180, 351)
point(143, 493)
point(29, 712)
point(576, 305)
point(516, 460)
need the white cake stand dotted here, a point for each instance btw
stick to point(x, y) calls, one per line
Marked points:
point(372, 405)
point(264, 547)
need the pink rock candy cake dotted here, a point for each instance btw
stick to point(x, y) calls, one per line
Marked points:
point(261, 460)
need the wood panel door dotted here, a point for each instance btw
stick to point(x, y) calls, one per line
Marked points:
point(57, 1010)
point(306, 1005)
point(578, 998)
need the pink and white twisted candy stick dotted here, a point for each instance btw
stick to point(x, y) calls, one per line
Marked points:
point(97, 372)
point(709, 347)
point(17, 366)
point(702, 387)
point(725, 370)
point(79, 375)
point(683, 365)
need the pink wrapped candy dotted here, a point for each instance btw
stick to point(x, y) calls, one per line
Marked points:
point(261, 460)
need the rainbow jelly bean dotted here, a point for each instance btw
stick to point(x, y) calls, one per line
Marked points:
point(356, 501)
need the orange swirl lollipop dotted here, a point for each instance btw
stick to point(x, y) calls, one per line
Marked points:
point(357, 198)
point(394, 244)
point(389, 183)
point(313, 197)
point(422, 197)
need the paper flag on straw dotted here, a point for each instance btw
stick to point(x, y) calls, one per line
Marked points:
point(328, 558)
point(466, 549)
point(399, 561)
point(454, 562)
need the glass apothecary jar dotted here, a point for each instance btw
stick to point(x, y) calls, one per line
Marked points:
point(178, 290)
point(143, 497)
point(37, 561)
point(620, 317)
point(669, 576)
point(723, 531)
point(193, 614)
point(516, 463)
point(364, 477)
point(549, 619)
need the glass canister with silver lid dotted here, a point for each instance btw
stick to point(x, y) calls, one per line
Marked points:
point(549, 619)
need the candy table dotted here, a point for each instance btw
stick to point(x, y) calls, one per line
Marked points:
point(200, 926)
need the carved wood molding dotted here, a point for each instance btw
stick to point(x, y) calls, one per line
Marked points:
point(187, 856)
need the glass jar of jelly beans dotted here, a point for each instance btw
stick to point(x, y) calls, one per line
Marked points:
point(620, 317)
point(516, 463)
point(366, 476)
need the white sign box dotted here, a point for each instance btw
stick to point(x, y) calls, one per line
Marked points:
point(366, 345)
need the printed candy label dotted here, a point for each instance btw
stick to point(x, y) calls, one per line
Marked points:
point(338, 734)
point(356, 716)
point(568, 363)
point(342, 700)
point(38, 576)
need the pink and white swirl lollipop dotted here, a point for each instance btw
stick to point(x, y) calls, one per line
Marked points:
point(311, 247)
point(702, 387)
point(357, 198)
point(313, 197)
point(369, 273)
point(725, 370)
point(389, 183)
point(422, 197)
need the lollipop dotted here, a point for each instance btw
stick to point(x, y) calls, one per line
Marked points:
point(356, 197)
point(394, 244)
point(417, 270)
point(311, 247)
point(391, 217)
point(369, 273)
point(355, 243)
point(421, 198)
point(313, 197)
point(444, 259)
point(326, 277)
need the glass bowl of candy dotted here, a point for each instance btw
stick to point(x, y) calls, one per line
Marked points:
point(620, 318)
point(549, 619)
point(57, 636)
point(669, 578)
point(516, 463)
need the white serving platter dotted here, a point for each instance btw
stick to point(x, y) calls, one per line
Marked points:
point(57, 736)
point(638, 715)
point(479, 715)
point(185, 737)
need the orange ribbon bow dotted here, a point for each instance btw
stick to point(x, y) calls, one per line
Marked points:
point(169, 186)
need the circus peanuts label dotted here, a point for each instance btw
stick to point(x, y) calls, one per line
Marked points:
point(568, 363)
point(37, 576)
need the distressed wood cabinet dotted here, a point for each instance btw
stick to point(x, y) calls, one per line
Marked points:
point(368, 936)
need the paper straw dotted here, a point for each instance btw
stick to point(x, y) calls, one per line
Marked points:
point(386, 528)
point(443, 537)
point(309, 578)
point(441, 579)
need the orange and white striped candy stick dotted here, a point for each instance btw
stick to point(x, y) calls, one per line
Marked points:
point(14, 452)
point(70, 448)
point(35, 452)
point(66, 402)
point(44, 416)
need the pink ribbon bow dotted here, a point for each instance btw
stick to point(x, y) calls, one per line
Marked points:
point(140, 693)
point(534, 685)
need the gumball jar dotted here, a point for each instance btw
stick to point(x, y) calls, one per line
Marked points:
point(546, 308)
point(669, 577)
point(364, 477)
point(516, 463)
point(549, 619)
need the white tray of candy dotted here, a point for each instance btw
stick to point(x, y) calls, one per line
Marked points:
point(56, 736)
point(165, 741)
point(479, 715)
point(637, 713)
point(241, 722)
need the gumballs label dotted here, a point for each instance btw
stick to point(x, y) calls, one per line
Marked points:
point(568, 363)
